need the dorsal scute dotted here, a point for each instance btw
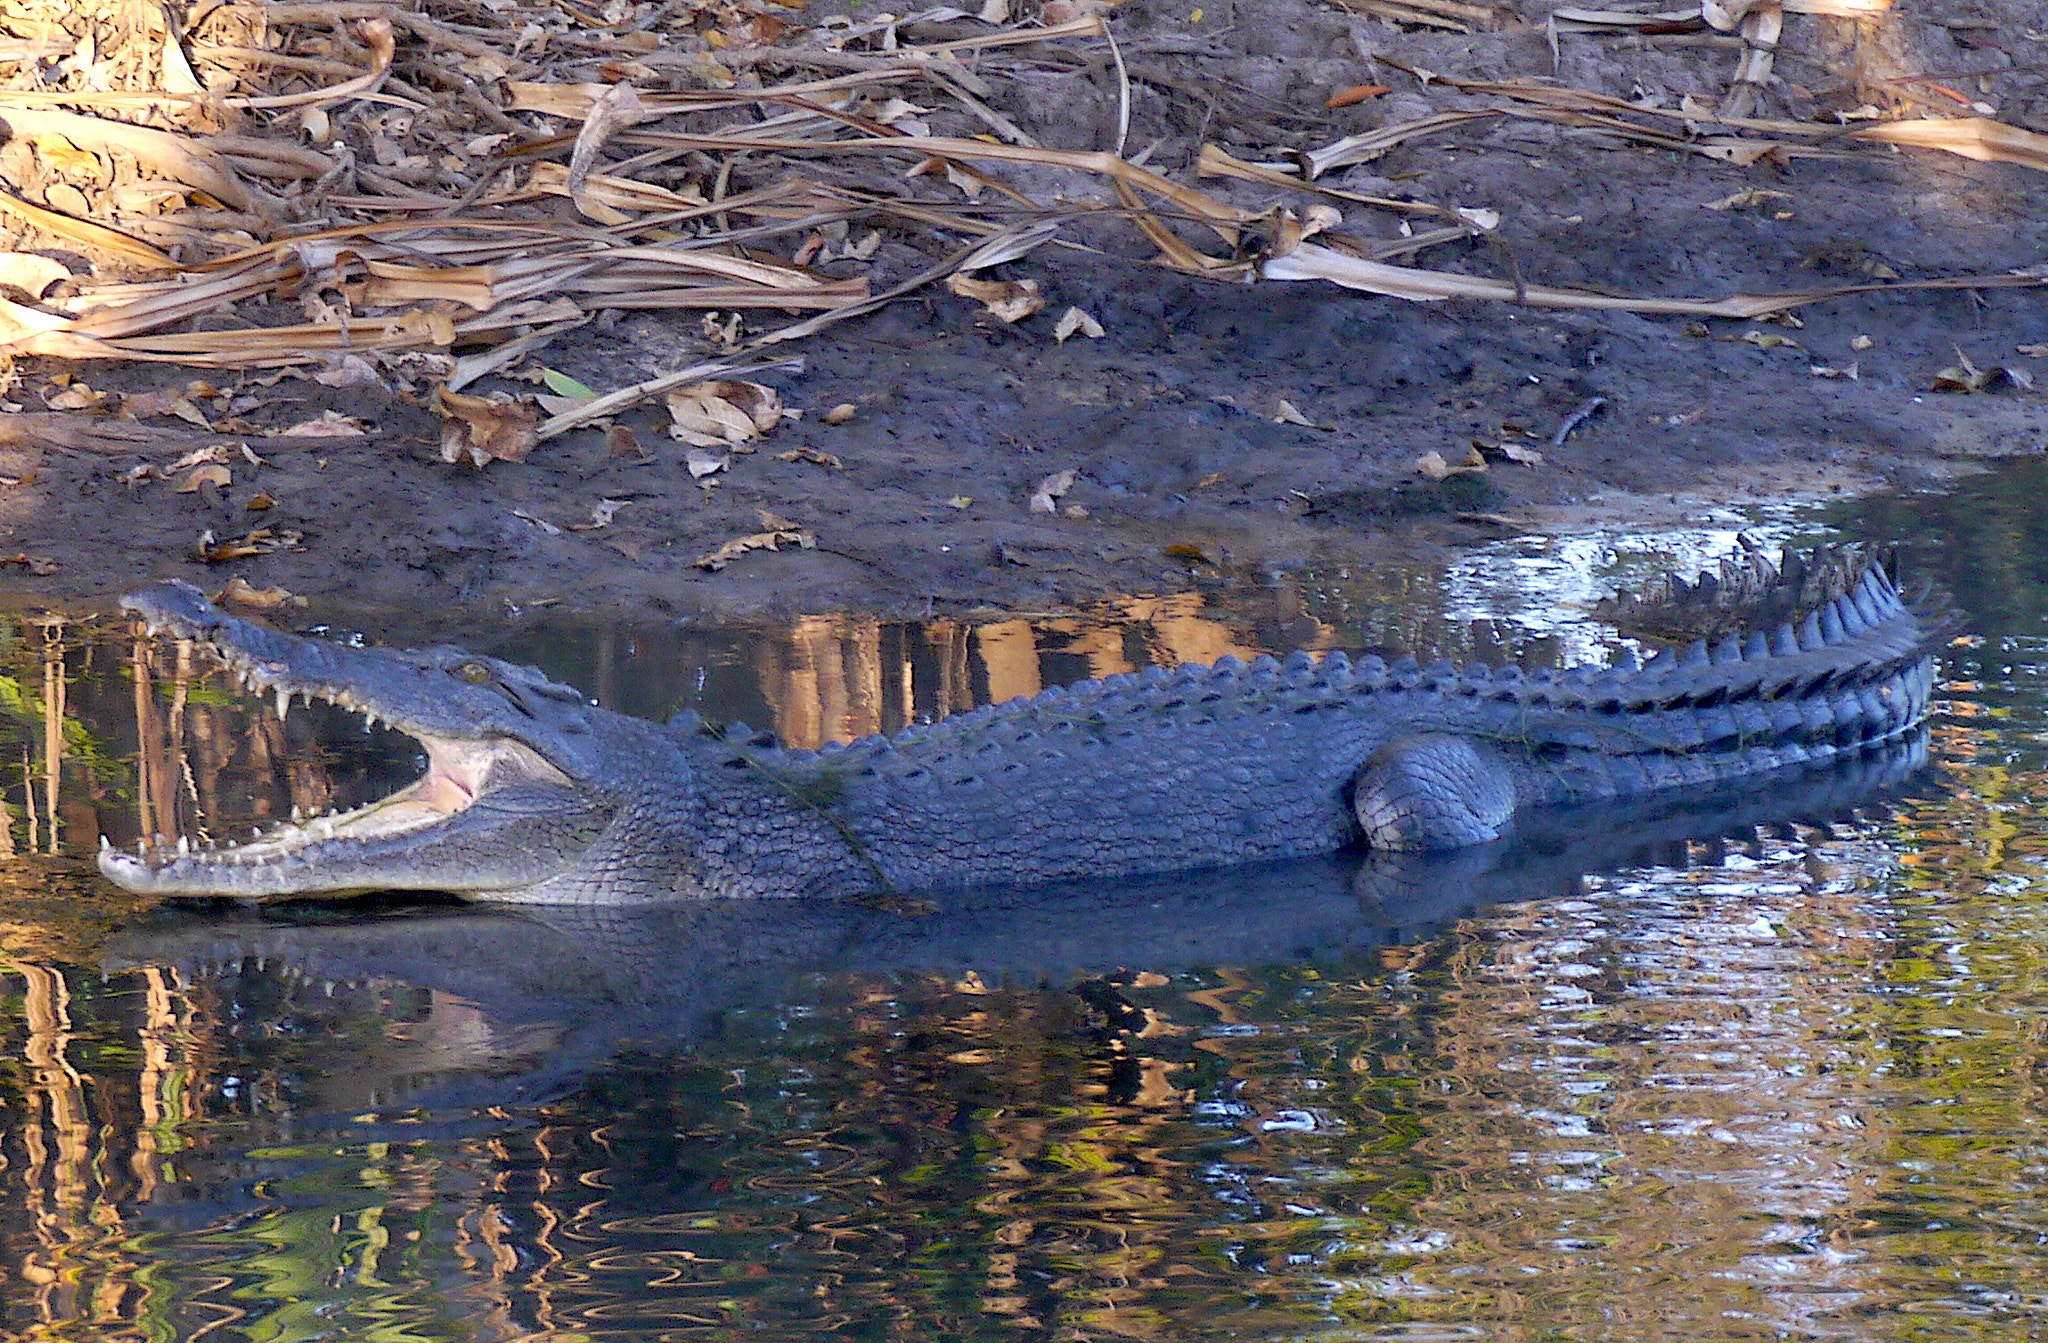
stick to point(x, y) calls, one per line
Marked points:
point(1857, 630)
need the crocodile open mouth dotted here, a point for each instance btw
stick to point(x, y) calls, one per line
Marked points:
point(457, 772)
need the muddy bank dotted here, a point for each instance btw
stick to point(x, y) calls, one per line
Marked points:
point(1184, 462)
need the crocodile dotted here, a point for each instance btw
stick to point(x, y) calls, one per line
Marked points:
point(533, 794)
point(550, 993)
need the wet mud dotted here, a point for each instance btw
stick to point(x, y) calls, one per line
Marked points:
point(1185, 468)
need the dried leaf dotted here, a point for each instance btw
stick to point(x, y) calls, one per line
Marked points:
point(1965, 376)
point(612, 110)
point(1433, 465)
point(31, 272)
point(1357, 93)
point(212, 474)
point(480, 430)
point(259, 503)
point(601, 514)
point(262, 541)
point(1508, 452)
point(1044, 499)
point(148, 405)
point(811, 455)
point(1971, 137)
point(1008, 301)
point(702, 463)
point(1073, 320)
point(622, 442)
point(327, 424)
point(1751, 199)
point(841, 413)
point(77, 396)
point(218, 452)
point(1285, 413)
point(240, 593)
point(776, 537)
point(728, 411)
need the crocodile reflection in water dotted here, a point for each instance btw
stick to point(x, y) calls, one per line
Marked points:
point(532, 795)
point(562, 989)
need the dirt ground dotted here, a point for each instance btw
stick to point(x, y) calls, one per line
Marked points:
point(1180, 469)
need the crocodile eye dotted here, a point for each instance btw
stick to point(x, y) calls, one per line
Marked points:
point(476, 673)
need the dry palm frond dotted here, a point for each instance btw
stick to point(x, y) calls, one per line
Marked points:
point(372, 178)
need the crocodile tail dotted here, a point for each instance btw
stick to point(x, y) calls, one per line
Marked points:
point(1831, 617)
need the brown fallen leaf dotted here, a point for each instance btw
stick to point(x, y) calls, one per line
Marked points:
point(1285, 413)
point(601, 514)
point(702, 463)
point(215, 452)
point(259, 503)
point(327, 424)
point(1752, 199)
point(262, 541)
point(841, 413)
point(1972, 137)
point(481, 429)
point(148, 405)
point(77, 396)
point(622, 443)
point(1770, 340)
point(1433, 465)
point(32, 272)
point(1357, 93)
point(811, 455)
point(1044, 498)
point(779, 534)
point(1073, 321)
point(1508, 452)
point(1008, 301)
point(239, 592)
point(1964, 376)
point(727, 411)
point(213, 473)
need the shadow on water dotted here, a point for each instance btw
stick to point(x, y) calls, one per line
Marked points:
point(1986, 539)
point(1765, 1063)
point(592, 980)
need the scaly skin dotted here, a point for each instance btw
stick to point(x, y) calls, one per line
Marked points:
point(535, 796)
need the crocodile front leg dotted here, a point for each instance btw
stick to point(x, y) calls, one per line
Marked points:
point(1433, 790)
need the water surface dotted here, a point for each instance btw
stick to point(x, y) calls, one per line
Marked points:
point(1787, 1085)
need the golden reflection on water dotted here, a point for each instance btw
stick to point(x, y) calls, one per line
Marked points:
point(1794, 1090)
